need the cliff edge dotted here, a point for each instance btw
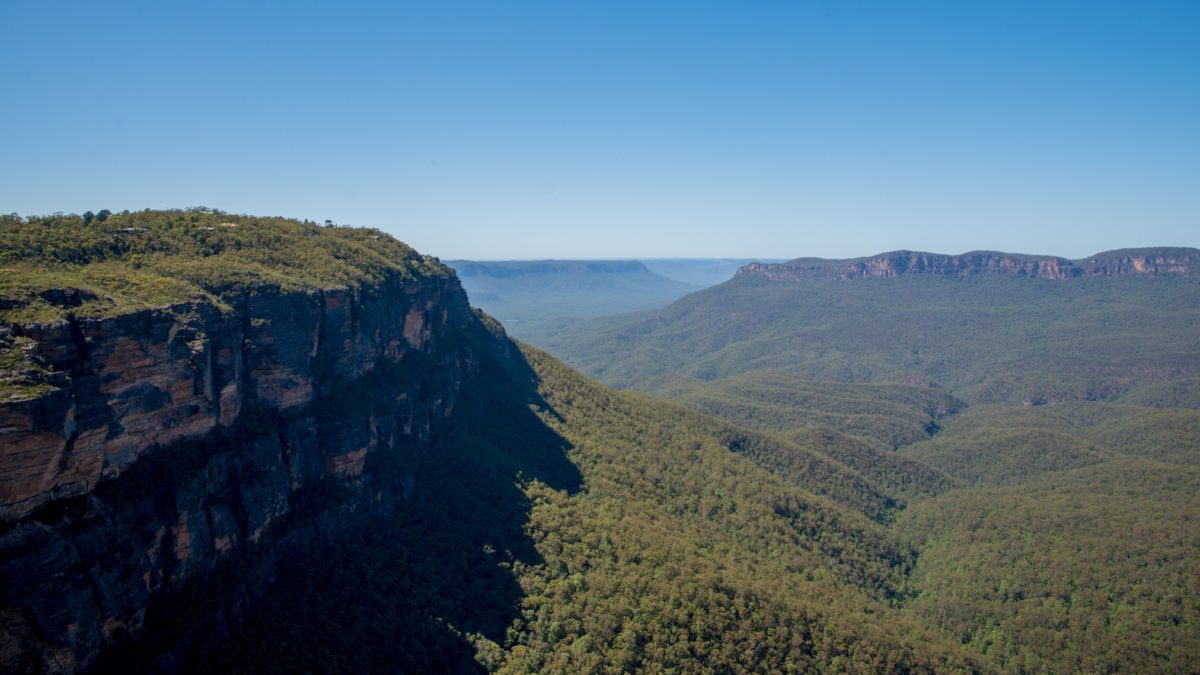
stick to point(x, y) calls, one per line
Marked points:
point(181, 391)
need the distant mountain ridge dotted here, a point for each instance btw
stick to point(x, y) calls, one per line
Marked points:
point(525, 294)
point(703, 272)
point(514, 268)
point(1158, 261)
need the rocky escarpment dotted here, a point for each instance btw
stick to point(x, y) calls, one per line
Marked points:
point(1143, 262)
point(163, 444)
point(1126, 262)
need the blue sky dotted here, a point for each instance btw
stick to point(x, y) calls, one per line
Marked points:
point(621, 129)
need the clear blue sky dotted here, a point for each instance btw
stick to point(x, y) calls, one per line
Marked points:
point(621, 129)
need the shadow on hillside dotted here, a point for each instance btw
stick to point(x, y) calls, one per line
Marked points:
point(429, 589)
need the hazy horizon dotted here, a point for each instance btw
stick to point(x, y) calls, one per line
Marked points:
point(670, 257)
point(794, 257)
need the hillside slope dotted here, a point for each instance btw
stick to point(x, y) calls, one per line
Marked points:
point(987, 337)
point(668, 552)
point(1090, 569)
point(1053, 528)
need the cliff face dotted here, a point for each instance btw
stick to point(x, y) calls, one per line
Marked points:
point(1128, 262)
point(174, 439)
point(1143, 262)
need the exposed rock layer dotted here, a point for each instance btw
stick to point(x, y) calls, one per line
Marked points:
point(1126, 262)
point(182, 437)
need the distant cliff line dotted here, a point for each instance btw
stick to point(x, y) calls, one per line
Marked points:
point(1138, 262)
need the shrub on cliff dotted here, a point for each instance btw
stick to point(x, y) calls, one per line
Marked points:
point(132, 260)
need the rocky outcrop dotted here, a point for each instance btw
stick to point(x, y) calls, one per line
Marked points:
point(177, 439)
point(1128, 262)
point(1143, 262)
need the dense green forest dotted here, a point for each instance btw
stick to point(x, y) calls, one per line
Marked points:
point(626, 536)
point(1086, 570)
point(999, 340)
point(892, 415)
point(1054, 519)
point(564, 526)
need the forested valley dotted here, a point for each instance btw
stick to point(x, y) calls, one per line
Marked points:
point(972, 473)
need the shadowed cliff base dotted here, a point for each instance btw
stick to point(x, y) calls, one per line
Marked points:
point(431, 587)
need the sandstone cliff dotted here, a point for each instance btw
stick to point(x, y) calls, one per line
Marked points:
point(164, 443)
point(1126, 262)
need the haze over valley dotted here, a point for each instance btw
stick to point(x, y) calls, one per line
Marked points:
point(534, 298)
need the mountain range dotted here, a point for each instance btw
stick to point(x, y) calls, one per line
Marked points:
point(991, 327)
point(524, 294)
point(535, 298)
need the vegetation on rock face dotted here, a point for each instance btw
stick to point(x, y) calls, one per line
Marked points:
point(52, 265)
point(21, 375)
